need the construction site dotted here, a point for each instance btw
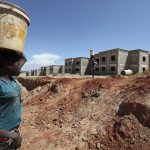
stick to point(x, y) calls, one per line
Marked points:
point(85, 113)
point(65, 108)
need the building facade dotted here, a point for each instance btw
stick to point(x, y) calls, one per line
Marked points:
point(113, 62)
point(78, 65)
point(69, 65)
point(45, 71)
point(109, 62)
point(138, 60)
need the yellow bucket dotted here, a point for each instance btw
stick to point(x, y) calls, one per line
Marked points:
point(13, 27)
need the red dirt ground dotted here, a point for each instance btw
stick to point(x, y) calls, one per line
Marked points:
point(110, 113)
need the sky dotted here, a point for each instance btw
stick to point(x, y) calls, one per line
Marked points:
point(61, 29)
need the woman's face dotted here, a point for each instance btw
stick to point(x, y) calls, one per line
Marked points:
point(15, 68)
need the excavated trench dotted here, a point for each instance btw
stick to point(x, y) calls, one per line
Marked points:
point(140, 111)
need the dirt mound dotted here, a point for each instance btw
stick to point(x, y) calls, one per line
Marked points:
point(130, 128)
point(87, 114)
point(126, 133)
point(143, 74)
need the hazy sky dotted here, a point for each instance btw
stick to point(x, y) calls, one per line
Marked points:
point(62, 29)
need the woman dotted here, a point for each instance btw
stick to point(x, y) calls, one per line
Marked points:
point(10, 100)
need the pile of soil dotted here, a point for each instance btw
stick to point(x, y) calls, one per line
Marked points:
point(86, 114)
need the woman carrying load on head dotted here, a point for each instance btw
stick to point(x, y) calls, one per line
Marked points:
point(10, 100)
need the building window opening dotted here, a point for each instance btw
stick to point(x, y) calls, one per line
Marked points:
point(66, 63)
point(103, 59)
point(97, 69)
point(66, 69)
point(77, 69)
point(103, 68)
point(113, 58)
point(69, 63)
point(144, 58)
point(69, 70)
point(143, 68)
point(112, 68)
point(77, 63)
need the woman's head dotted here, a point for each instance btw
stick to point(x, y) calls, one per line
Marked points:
point(11, 63)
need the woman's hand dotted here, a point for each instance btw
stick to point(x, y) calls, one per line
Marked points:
point(17, 139)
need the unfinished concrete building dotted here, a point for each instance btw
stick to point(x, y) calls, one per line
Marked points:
point(109, 62)
point(45, 71)
point(78, 65)
point(32, 73)
point(138, 60)
point(55, 69)
point(114, 61)
point(62, 69)
point(69, 65)
point(37, 72)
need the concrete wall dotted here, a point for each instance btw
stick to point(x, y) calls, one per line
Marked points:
point(138, 60)
point(55, 69)
point(122, 60)
point(76, 65)
point(103, 63)
point(28, 73)
point(32, 73)
point(133, 61)
point(62, 69)
point(112, 63)
point(69, 65)
point(144, 61)
point(84, 64)
point(80, 65)
point(38, 72)
point(109, 61)
point(47, 70)
point(42, 71)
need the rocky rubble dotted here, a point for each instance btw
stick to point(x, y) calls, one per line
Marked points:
point(87, 114)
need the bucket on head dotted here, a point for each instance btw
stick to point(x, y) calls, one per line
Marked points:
point(13, 27)
point(91, 52)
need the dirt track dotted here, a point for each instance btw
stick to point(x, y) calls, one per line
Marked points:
point(86, 114)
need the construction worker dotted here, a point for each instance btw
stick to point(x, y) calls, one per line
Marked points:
point(10, 100)
point(93, 62)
